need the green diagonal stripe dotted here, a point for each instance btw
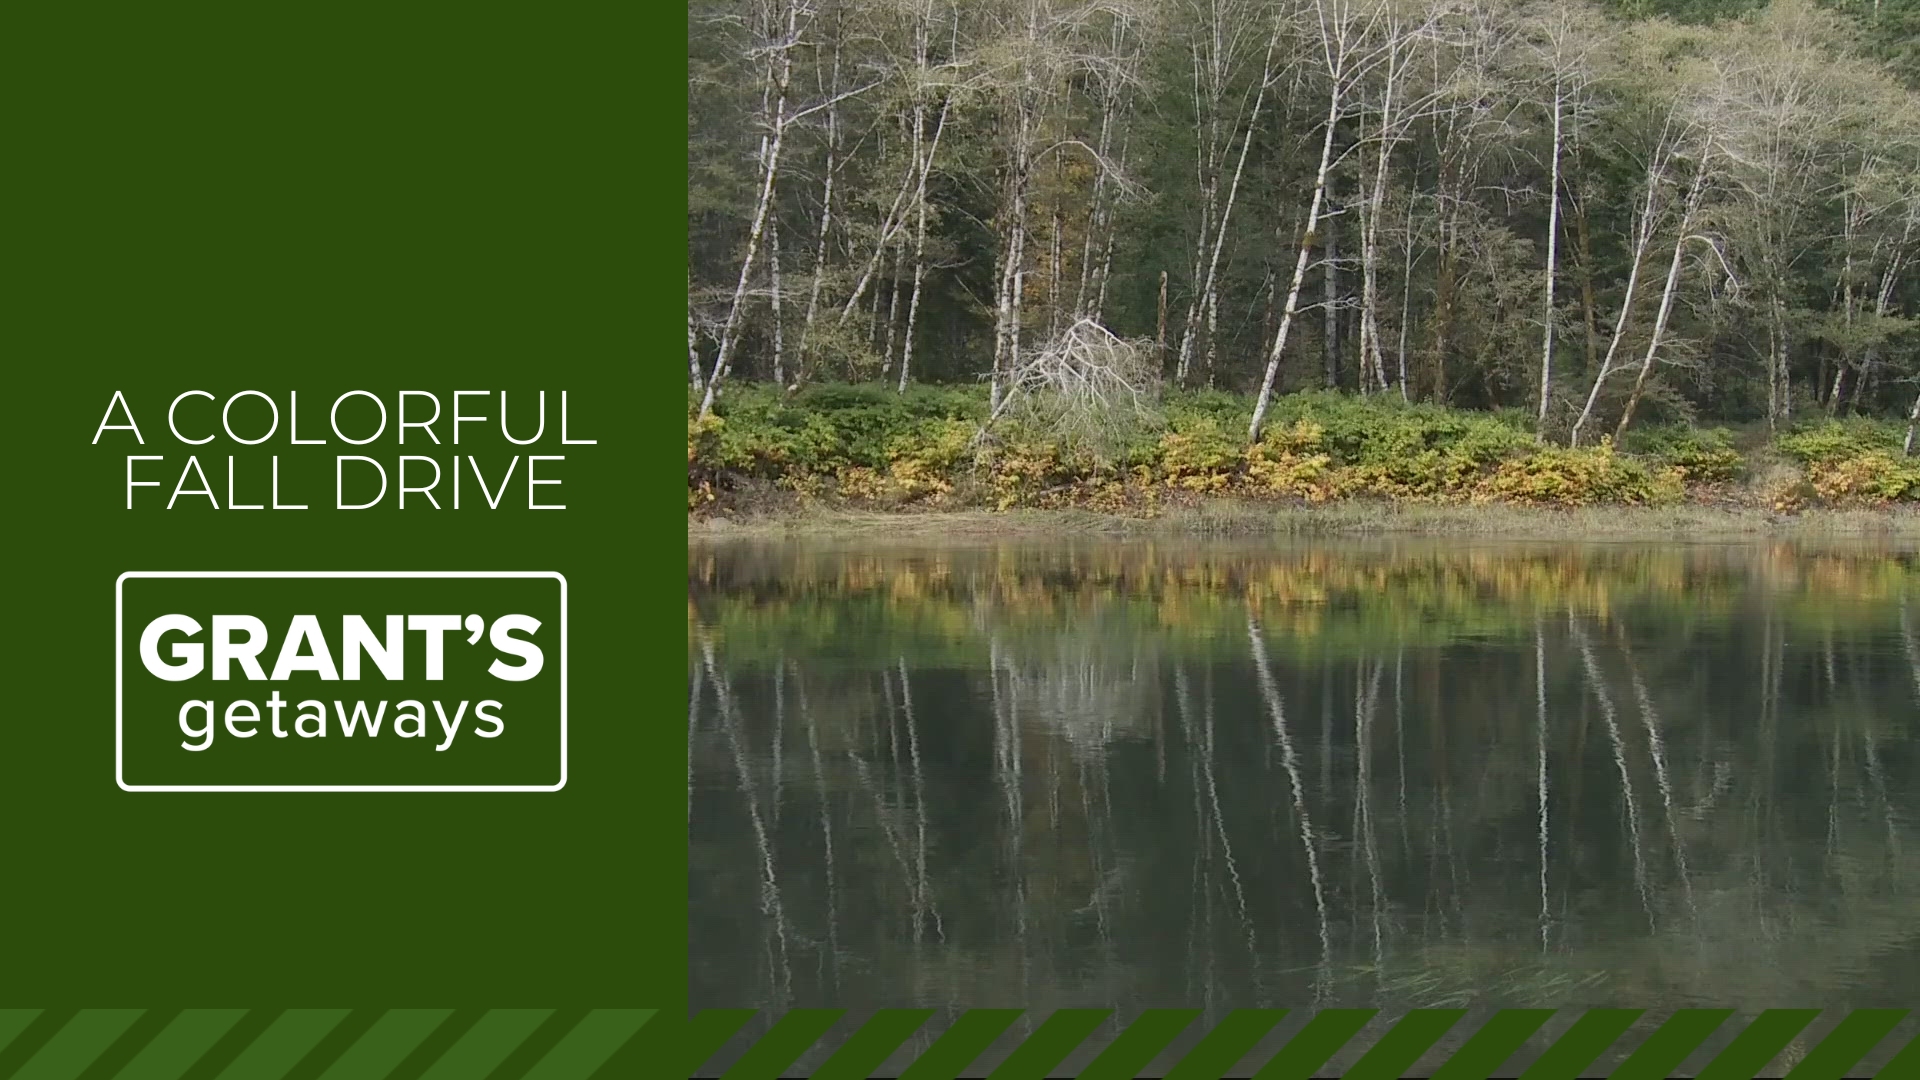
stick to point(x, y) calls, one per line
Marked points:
point(591, 1042)
point(1904, 1064)
point(537, 1045)
point(281, 1046)
point(1580, 1045)
point(131, 1041)
point(1403, 1044)
point(972, 1032)
point(328, 1050)
point(76, 1045)
point(1846, 1044)
point(681, 1047)
point(783, 1044)
point(386, 1043)
point(230, 1045)
point(1227, 1043)
point(862, 1054)
point(1050, 1044)
point(1493, 1044)
point(1325, 1034)
point(13, 1022)
point(1666, 1048)
point(1769, 1033)
point(485, 1044)
point(28, 1041)
point(1129, 1054)
point(180, 1044)
point(436, 1044)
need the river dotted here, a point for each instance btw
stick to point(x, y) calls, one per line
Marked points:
point(1388, 774)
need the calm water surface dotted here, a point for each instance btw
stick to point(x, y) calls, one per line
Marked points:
point(1397, 774)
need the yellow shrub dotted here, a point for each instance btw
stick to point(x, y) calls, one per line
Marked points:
point(1872, 478)
point(1556, 476)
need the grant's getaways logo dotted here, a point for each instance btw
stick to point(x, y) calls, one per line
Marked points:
point(341, 681)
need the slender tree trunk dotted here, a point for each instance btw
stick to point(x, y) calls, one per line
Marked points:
point(1210, 292)
point(779, 328)
point(1330, 284)
point(1643, 235)
point(1553, 249)
point(694, 354)
point(1589, 320)
point(1299, 268)
point(1666, 308)
point(1913, 420)
point(893, 308)
point(924, 168)
point(1406, 300)
point(769, 173)
point(826, 217)
point(1161, 337)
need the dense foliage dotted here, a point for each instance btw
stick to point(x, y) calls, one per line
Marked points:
point(1596, 214)
point(873, 446)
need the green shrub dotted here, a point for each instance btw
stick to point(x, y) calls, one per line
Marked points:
point(1700, 454)
point(1836, 440)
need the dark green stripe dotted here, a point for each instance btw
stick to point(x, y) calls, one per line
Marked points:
point(1326, 1033)
point(229, 1045)
point(591, 1042)
point(1050, 1044)
point(31, 1038)
point(281, 1046)
point(538, 1045)
point(863, 1054)
point(131, 1041)
point(486, 1044)
point(1403, 1044)
point(632, 1059)
point(1227, 1043)
point(1846, 1044)
point(1129, 1054)
point(1666, 1048)
point(180, 1044)
point(972, 1032)
point(1580, 1045)
point(13, 1022)
point(328, 1050)
point(1769, 1033)
point(1903, 1065)
point(435, 1045)
point(77, 1045)
point(682, 1048)
point(1493, 1044)
point(386, 1044)
point(783, 1044)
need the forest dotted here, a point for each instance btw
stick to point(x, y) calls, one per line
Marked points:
point(1580, 219)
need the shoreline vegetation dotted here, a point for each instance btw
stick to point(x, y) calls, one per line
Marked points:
point(868, 461)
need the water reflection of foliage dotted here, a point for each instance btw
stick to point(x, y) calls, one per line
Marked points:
point(829, 604)
point(1049, 778)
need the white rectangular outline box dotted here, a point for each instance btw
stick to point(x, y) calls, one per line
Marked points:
point(119, 643)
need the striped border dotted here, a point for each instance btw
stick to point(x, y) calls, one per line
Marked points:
point(321, 1044)
point(1361, 1044)
point(602, 1044)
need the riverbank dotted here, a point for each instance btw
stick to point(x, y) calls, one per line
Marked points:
point(1230, 518)
point(862, 459)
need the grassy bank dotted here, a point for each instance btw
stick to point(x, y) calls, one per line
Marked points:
point(1235, 518)
point(854, 458)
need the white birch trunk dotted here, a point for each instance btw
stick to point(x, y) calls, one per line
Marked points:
point(1553, 250)
point(770, 171)
point(1299, 268)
